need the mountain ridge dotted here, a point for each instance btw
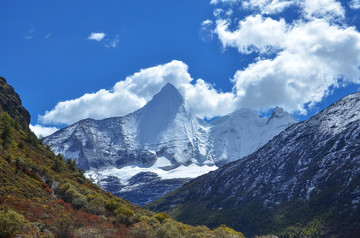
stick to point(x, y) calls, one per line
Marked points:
point(312, 168)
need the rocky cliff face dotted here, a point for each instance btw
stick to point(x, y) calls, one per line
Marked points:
point(314, 164)
point(10, 102)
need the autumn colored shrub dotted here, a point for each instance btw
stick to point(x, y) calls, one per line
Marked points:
point(60, 201)
point(32, 174)
point(47, 188)
point(22, 205)
point(64, 227)
point(141, 230)
point(86, 218)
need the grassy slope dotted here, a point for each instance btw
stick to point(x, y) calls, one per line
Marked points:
point(326, 214)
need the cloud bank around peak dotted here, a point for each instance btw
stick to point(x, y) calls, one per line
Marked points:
point(42, 131)
point(132, 93)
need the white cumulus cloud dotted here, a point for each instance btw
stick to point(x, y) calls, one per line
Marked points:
point(42, 131)
point(299, 62)
point(329, 9)
point(268, 6)
point(355, 4)
point(254, 33)
point(224, 1)
point(96, 36)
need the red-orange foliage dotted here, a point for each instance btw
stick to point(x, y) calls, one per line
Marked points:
point(36, 213)
point(122, 231)
point(87, 218)
point(60, 202)
point(22, 205)
point(2, 199)
point(68, 207)
point(47, 188)
point(32, 174)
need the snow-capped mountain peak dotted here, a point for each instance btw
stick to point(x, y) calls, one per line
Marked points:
point(158, 115)
point(280, 114)
point(165, 130)
point(166, 102)
point(244, 131)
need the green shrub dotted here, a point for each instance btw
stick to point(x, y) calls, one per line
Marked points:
point(58, 165)
point(79, 201)
point(124, 215)
point(161, 217)
point(21, 145)
point(122, 210)
point(70, 194)
point(96, 205)
point(169, 229)
point(10, 223)
point(224, 231)
point(20, 163)
point(32, 139)
point(111, 204)
point(75, 198)
point(71, 164)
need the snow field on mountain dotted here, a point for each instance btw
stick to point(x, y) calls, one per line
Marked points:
point(127, 172)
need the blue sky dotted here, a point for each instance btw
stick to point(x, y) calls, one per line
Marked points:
point(71, 60)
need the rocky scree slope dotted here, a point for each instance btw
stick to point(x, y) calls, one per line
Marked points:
point(304, 182)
